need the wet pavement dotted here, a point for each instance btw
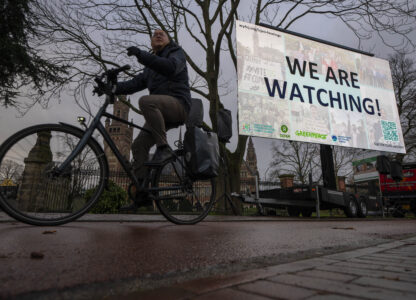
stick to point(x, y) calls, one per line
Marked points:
point(386, 271)
point(102, 257)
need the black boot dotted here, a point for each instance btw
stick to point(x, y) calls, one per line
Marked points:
point(139, 200)
point(136, 204)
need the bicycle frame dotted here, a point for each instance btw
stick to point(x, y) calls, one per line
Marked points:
point(96, 124)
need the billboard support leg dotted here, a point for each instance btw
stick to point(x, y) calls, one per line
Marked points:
point(318, 212)
point(327, 164)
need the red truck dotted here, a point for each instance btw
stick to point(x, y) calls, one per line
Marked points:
point(400, 196)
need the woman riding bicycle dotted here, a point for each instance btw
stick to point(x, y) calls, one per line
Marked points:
point(64, 170)
point(166, 77)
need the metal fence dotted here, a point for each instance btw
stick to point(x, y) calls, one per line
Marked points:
point(223, 206)
point(268, 185)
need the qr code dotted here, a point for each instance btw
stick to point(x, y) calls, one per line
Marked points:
point(389, 131)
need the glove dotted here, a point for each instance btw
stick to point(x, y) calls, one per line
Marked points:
point(101, 88)
point(97, 90)
point(133, 51)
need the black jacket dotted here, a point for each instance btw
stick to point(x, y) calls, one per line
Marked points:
point(164, 74)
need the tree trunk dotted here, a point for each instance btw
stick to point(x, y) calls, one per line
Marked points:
point(233, 164)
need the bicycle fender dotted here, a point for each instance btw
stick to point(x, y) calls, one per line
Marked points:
point(93, 140)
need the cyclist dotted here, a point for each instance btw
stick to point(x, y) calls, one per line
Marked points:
point(166, 77)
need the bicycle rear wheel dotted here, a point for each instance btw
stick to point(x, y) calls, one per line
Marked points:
point(180, 199)
point(31, 192)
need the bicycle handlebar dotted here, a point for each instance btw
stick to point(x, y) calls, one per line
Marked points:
point(110, 78)
point(114, 72)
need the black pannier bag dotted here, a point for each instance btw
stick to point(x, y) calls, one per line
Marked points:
point(201, 147)
point(201, 153)
point(224, 125)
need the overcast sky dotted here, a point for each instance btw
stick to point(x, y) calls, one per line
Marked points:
point(67, 111)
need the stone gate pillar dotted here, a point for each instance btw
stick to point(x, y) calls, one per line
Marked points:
point(39, 157)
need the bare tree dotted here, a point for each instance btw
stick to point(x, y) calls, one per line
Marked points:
point(300, 159)
point(343, 158)
point(390, 21)
point(91, 35)
point(295, 158)
point(10, 170)
point(403, 70)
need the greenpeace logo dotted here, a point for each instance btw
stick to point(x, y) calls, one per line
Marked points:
point(311, 134)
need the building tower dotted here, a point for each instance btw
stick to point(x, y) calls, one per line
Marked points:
point(251, 157)
point(248, 169)
point(120, 133)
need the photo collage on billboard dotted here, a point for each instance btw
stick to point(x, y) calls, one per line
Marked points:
point(256, 60)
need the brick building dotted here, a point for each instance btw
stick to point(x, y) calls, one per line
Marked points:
point(122, 135)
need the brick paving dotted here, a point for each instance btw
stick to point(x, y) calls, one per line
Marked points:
point(386, 271)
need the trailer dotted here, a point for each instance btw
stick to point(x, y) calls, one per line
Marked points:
point(304, 200)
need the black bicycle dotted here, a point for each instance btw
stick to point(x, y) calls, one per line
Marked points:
point(54, 173)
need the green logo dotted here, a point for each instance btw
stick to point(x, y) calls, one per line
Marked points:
point(284, 128)
point(246, 127)
point(311, 134)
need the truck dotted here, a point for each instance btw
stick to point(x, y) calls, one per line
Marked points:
point(398, 196)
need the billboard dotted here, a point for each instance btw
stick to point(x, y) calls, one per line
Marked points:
point(294, 88)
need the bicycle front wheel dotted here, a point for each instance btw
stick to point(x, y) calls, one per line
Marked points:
point(180, 199)
point(30, 190)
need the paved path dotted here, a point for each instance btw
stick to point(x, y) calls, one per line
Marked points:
point(386, 271)
point(101, 258)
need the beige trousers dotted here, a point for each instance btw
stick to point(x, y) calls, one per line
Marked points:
point(161, 113)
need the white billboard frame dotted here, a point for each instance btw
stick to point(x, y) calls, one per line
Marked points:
point(296, 88)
